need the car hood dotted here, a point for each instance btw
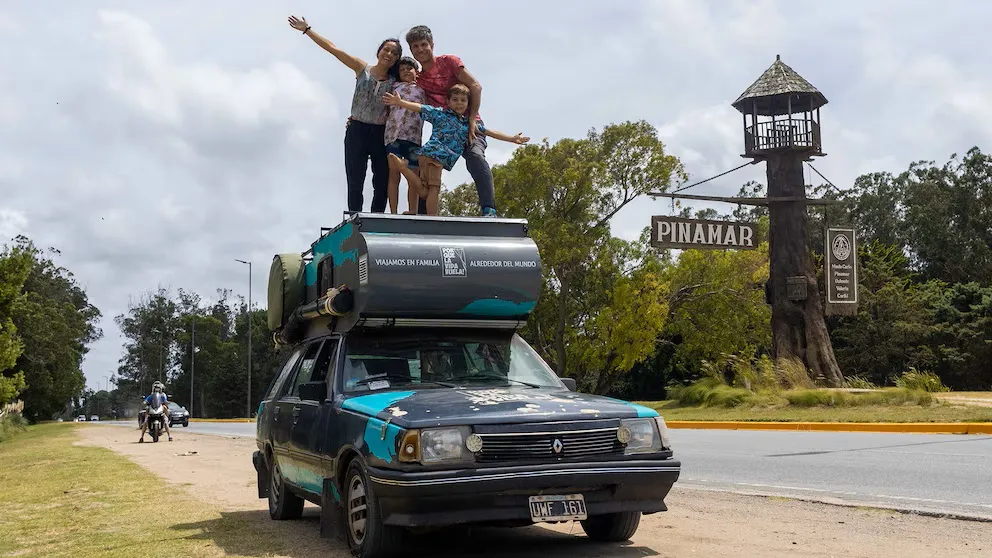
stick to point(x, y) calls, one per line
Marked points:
point(477, 405)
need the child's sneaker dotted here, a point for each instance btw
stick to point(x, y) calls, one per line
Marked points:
point(489, 212)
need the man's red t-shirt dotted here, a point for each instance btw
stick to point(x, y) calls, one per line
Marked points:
point(442, 75)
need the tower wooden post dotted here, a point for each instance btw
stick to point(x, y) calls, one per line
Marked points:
point(782, 128)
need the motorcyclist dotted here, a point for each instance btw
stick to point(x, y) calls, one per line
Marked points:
point(157, 396)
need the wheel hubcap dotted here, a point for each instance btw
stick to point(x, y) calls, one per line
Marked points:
point(357, 509)
point(275, 482)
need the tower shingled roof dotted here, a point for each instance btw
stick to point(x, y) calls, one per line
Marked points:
point(770, 92)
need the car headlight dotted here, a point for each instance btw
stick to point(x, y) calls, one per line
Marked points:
point(185, 413)
point(644, 436)
point(444, 445)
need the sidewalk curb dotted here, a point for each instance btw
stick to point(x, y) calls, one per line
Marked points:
point(900, 427)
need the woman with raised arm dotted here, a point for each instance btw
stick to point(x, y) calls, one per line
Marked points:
point(364, 138)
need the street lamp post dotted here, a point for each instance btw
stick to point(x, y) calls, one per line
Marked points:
point(248, 407)
point(192, 363)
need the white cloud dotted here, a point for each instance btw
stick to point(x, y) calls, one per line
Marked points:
point(154, 143)
point(12, 223)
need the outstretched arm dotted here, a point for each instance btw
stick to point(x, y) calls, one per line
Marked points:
point(353, 62)
point(475, 100)
point(397, 101)
point(518, 139)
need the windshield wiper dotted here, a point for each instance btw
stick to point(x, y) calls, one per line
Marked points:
point(467, 377)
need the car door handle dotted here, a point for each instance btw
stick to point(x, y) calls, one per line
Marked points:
point(296, 414)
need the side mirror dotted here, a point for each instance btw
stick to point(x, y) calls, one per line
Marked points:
point(313, 391)
point(569, 383)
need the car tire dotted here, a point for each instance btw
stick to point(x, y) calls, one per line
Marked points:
point(283, 503)
point(367, 536)
point(613, 527)
point(186, 424)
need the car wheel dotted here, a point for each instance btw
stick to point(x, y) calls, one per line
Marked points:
point(186, 424)
point(614, 527)
point(368, 537)
point(283, 503)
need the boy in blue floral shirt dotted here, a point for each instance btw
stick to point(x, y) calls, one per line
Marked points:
point(449, 137)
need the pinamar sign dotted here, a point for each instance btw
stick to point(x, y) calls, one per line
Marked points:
point(683, 234)
point(841, 270)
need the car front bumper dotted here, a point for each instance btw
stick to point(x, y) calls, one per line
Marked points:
point(500, 494)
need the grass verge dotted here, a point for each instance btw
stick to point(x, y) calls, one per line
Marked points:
point(671, 410)
point(61, 499)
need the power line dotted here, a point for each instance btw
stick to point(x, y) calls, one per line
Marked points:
point(839, 191)
point(715, 177)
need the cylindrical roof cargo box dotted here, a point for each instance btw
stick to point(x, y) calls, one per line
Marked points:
point(428, 269)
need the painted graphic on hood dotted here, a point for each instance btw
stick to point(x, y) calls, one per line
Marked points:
point(447, 406)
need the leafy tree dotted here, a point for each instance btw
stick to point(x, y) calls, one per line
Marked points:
point(56, 323)
point(717, 302)
point(603, 299)
point(891, 332)
point(15, 264)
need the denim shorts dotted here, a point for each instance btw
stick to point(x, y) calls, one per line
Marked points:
point(405, 150)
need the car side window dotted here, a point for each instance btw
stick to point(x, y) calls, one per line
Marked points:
point(302, 371)
point(307, 366)
point(323, 365)
point(280, 379)
point(324, 370)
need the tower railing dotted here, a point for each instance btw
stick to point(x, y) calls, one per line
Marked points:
point(784, 134)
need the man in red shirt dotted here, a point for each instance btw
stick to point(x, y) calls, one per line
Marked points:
point(437, 75)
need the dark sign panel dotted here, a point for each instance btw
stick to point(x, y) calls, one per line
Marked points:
point(681, 233)
point(841, 266)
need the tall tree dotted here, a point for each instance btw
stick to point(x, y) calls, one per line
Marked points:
point(15, 265)
point(603, 300)
point(57, 324)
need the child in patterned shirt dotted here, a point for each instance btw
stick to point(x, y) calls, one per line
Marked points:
point(404, 131)
point(449, 137)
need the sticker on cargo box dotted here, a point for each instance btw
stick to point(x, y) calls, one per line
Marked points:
point(453, 261)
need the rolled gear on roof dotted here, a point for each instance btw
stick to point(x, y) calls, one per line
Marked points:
point(378, 270)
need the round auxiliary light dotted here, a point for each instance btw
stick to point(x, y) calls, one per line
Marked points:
point(410, 449)
point(474, 443)
point(623, 434)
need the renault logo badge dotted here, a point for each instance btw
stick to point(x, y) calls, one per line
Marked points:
point(557, 446)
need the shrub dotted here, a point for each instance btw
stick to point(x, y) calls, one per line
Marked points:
point(834, 398)
point(858, 382)
point(11, 424)
point(816, 398)
point(923, 381)
point(791, 373)
point(710, 392)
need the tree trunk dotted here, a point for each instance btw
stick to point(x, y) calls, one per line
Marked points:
point(798, 327)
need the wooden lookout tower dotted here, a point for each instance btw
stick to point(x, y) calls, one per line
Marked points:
point(782, 128)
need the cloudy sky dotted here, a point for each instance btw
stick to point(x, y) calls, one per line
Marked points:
point(155, 142)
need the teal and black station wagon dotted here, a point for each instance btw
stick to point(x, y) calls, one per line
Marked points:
point(409, 400)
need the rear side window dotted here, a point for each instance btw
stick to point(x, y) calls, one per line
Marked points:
point(280, 379)
point(303, 371)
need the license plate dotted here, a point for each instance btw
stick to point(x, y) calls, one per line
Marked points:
point(558, 507)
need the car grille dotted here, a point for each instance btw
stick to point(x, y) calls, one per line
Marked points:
point(548, 446)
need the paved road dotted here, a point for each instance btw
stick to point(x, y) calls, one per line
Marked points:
point(934, 473)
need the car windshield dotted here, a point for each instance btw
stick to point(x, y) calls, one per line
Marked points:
point(374, 361)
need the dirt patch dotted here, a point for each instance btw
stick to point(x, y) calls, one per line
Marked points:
point(699, 523)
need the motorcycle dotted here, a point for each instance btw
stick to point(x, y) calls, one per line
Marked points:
point(156, 415)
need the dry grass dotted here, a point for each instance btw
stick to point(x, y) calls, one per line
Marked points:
point(63, 499)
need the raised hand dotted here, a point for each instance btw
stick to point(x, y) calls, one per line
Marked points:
point(521, 139)
point(392, 99)
point(300, 24)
